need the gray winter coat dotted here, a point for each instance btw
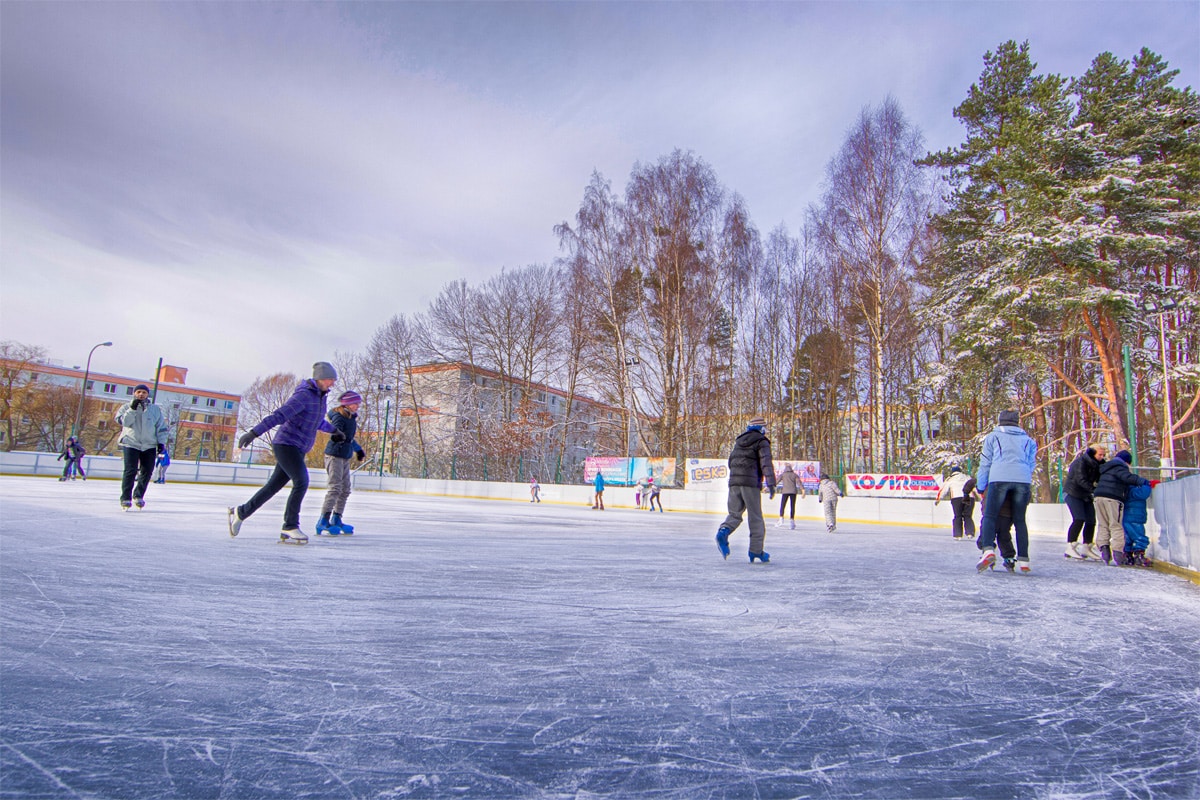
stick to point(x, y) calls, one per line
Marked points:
point(788, 481)
point(143, 429)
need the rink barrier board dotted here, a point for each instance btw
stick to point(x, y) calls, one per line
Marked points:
point(1175, 546)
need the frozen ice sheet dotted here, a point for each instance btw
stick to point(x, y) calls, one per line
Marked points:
point(458, 648)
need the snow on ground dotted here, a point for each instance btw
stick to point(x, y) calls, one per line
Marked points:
point(459, 648)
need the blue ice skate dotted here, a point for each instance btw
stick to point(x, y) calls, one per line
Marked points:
point(764, 557)
point(723, 541)
point(325, 525)
point(341, 525)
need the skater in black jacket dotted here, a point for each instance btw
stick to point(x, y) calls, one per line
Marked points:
point(749, 466)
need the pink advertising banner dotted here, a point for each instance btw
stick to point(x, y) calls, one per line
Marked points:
point(883, 485)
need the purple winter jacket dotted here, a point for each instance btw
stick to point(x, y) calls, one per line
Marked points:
point(299, 418)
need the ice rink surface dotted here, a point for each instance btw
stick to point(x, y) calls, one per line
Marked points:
point(461, 648)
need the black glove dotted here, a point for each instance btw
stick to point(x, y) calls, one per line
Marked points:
point(361, 455)
point(772, 488)
point(160, 448)
point(246, 439)
point(137, 401)
point(337, 436)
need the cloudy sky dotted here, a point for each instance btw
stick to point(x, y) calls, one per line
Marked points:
point(246, 188)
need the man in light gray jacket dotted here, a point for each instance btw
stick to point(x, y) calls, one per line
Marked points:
point(143, 437)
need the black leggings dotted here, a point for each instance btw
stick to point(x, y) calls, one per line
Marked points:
point(783, 501)
point(289, 466)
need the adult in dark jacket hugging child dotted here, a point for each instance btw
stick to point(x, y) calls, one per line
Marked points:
point(344, 419)
point(1111, 492)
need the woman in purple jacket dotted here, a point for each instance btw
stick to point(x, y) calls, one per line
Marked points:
point(298, 419)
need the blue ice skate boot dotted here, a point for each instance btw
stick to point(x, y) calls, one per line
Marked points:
point(341, 525)
point(324, 526)
point(764, 557)
point(723, 541)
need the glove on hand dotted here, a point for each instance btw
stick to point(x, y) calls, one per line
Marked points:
point(772, 488)
point(361, 455)
point(246, 439)
point(337, 436)
point(160, 448)
point(137, 402)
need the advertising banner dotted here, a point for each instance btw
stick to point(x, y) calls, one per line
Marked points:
point(875, 485)
point(706, 473)
point(809, 473)
point(619, 471)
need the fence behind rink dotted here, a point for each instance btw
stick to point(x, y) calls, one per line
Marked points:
point(1173, 527)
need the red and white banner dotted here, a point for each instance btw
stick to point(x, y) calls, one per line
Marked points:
point(875, 485)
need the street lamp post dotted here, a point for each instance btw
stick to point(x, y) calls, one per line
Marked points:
point(630, 361)
point(1161, 310)
point(83, 389)
point(387, 413)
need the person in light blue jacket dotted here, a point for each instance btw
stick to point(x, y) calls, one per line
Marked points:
point(1006, 473)
point(143, 436)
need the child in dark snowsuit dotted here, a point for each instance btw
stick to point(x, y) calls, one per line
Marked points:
point(1133, 520)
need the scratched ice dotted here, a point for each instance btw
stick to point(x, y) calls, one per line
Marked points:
point(462, 648)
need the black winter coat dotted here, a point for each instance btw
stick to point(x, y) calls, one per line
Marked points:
point(1082, 476)
point(750, 460)
point(347, 425)
point(1115, 480)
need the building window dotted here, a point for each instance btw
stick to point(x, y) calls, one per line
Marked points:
point(229, 404)
point(220, 455)
point(128, 390)
point(110, 388)
point(189, 435)
point(208, 418)
point(195, 399)
point(91, 385)
point(212, 402)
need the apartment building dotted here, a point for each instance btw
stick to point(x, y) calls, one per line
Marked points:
point(44, 401)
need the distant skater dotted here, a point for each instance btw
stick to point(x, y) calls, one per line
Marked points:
point(788, 486)
point(535, 491)
point(344, 419)
point(69, 455)
point(298, 419)
point(828, 494)
point(655, 495)
point(77, 460)
point(143, 437)
point(749, 466)
point(161, 463)
point(598, 485)
point(962, 502)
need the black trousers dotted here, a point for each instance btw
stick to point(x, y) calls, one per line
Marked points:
point(1083, 519)
point(289, 466)
point(141, 463)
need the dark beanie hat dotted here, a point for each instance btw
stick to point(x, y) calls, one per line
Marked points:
point(1125, 456)
point(143, 387)
point(1009, 418)
point(323, 370)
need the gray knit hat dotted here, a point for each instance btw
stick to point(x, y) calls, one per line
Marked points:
point(323, 370)
point(1009, 418)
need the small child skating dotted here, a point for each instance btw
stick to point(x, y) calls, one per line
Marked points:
point(344, 419)
point(828, 493)
point(1133, 520)
point(68, 453)
point(161, 463)
point(598, 485)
